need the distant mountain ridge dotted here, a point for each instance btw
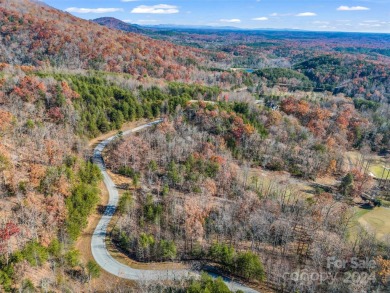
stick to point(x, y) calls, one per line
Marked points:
point(45, 35)
point(115, 23)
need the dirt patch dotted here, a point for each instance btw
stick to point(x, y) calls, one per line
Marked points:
point(122, 182)
point(327, 180)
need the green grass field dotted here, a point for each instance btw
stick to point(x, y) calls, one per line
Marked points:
point(377, 169)
point(376, 220)
point(377, 163)
point(265, 180)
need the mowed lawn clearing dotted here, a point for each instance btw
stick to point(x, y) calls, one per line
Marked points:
point(275, 181)
point(376, 163)
point(376, 220)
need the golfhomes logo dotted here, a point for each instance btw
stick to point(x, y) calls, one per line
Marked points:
point(350, 271)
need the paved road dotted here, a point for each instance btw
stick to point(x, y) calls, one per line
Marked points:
point(98, 245)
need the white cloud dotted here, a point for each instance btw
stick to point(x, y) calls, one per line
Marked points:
point(320, 22)
point(305, 14)
point(233, 20)
point(370, 24)
point(129, 0)
point(92, 10)
point(352, 8)
point(260, 18)
point(327, 27)
point(275, 14)
point(156, 9)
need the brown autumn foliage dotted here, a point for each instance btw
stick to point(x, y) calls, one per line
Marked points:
point(334, 125)
point(384, 265)
point(32, 146)
point(191, 192)
point(5, 120)
point(180, 202)
point(51, 36)
point(362, 183)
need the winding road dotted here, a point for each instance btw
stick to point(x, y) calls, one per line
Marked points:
point(98, 242)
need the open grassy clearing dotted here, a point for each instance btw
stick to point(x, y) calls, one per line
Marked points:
point(266, 181)
point(377, 169)
point(376, 221)
point(376, 163)
point(355, 225)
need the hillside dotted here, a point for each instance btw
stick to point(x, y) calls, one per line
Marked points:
point(267, 155)
point(114, 23)
point(42, 189)
point(38, 35)
point(354, 75)
point(47, 187)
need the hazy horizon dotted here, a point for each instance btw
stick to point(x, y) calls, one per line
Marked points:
point(334, 16)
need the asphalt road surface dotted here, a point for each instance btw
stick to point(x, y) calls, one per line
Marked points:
point(98, 244)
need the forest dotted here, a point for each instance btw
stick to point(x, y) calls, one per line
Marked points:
point(267, 157)
point(191, 198)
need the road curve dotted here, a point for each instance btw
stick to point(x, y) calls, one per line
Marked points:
point(98, 244)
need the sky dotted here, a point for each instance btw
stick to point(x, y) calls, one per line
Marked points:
point(314, 15)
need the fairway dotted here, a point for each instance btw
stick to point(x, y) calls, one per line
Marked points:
point(376, 163)
point(376, 221)
point(378, 170)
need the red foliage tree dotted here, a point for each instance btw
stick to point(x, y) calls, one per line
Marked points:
point(55, 114)
point(10, 229)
